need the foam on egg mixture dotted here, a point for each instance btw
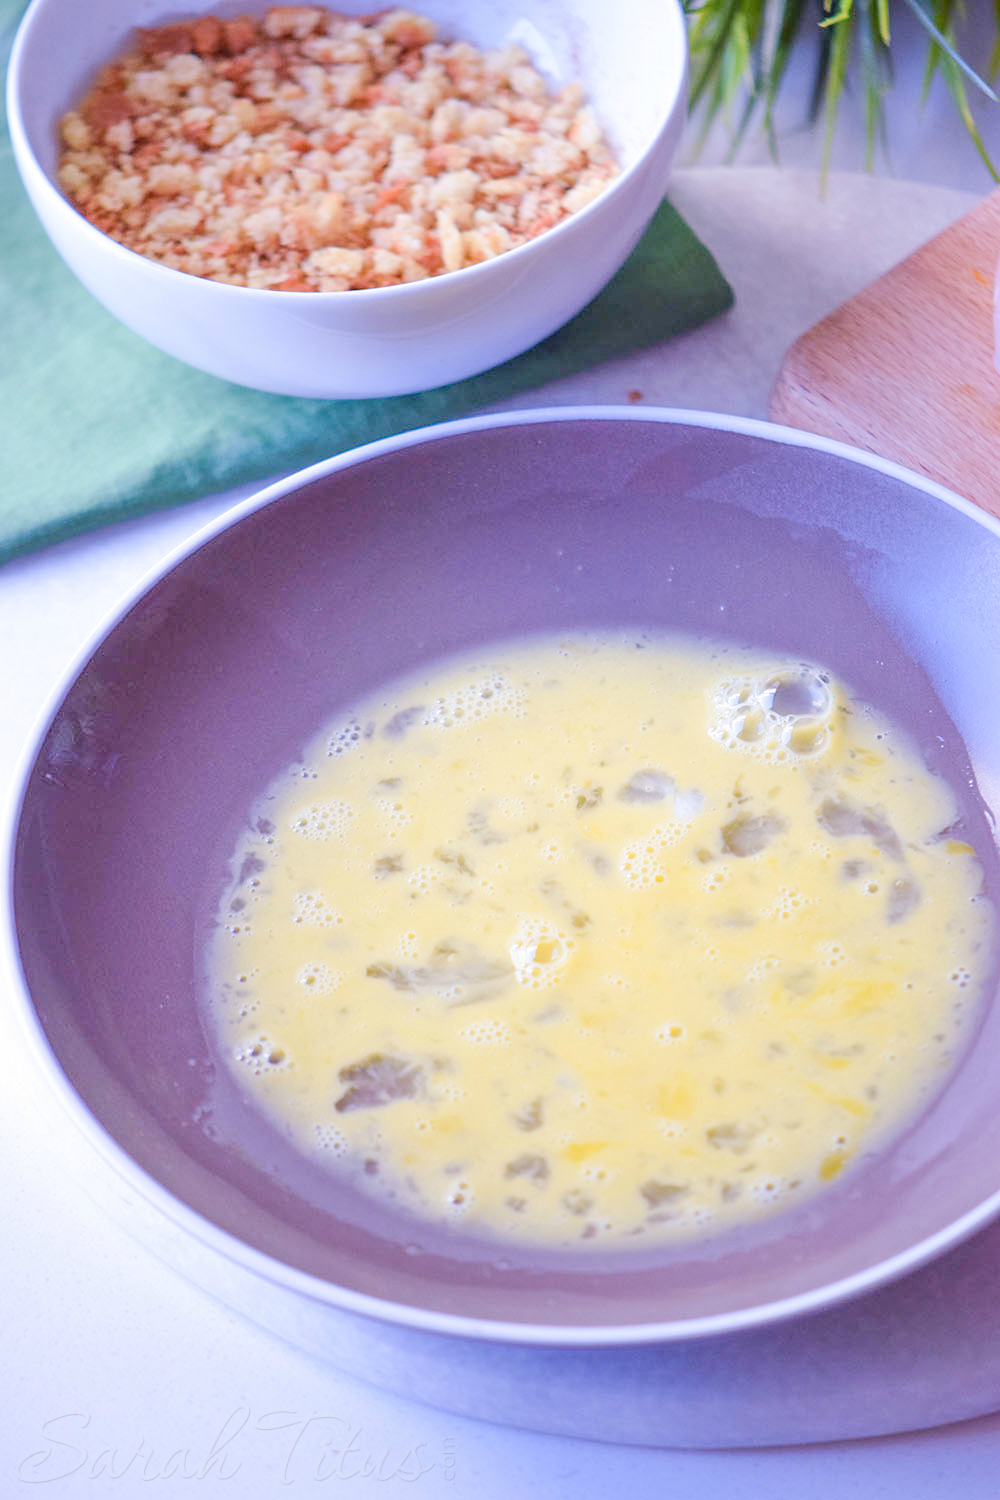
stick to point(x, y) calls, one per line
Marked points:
point(600, 938)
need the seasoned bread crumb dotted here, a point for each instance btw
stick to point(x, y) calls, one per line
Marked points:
point(310, 151)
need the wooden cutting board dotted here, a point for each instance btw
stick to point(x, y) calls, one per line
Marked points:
point(905, 369)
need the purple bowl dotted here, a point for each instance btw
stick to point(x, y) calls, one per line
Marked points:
point(364, 568)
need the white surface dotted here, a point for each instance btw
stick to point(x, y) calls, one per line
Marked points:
point(119, 1374)
point(390, 340)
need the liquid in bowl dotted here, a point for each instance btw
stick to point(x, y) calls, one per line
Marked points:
point(600, 940)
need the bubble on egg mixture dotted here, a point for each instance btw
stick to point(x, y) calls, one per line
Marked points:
point(344, 738)
point(458, 1199)
point(539, 952)
point(473, 702)
point(641, 859)
point(771, 1189)
point(331, 1139)
point(395, 814)
point(425, 877)
point(261, 1056)
point(490, 1031)
point(318, 979)
point(409, 945)
point(311, 909)
point(789, 903)
point(323, 820)
point(763, 968)
point(774, 714)
point(831, 955)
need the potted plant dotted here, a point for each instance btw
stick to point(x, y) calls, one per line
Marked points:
point(741, 50)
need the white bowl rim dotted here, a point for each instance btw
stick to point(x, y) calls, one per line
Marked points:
point(305, 1284)
point(23, 151)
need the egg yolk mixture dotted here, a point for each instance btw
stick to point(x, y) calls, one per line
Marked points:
point(600, 937)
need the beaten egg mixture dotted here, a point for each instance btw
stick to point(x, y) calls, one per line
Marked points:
point(600, 938)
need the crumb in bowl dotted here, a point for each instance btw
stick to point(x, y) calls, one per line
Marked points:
point(310, 151)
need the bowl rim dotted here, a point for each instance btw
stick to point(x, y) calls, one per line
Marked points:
point(674, 100)
point(306, 1284)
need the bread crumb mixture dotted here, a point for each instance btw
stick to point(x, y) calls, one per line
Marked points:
point(311, 151)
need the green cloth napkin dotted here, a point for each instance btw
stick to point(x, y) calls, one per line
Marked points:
point(99, 426)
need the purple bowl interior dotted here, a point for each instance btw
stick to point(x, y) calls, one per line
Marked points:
point(218, 676)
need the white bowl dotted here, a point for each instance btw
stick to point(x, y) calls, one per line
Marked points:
point(631, 58)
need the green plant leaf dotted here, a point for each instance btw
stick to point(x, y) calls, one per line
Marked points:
point(941, 41)
point(839, 48)
point(741, 49)
point(881, 13)
point(713, 33)
point(953, 75)
point(876, 80)
point(789, 28)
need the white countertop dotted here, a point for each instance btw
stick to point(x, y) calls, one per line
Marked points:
point(119, 1375)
